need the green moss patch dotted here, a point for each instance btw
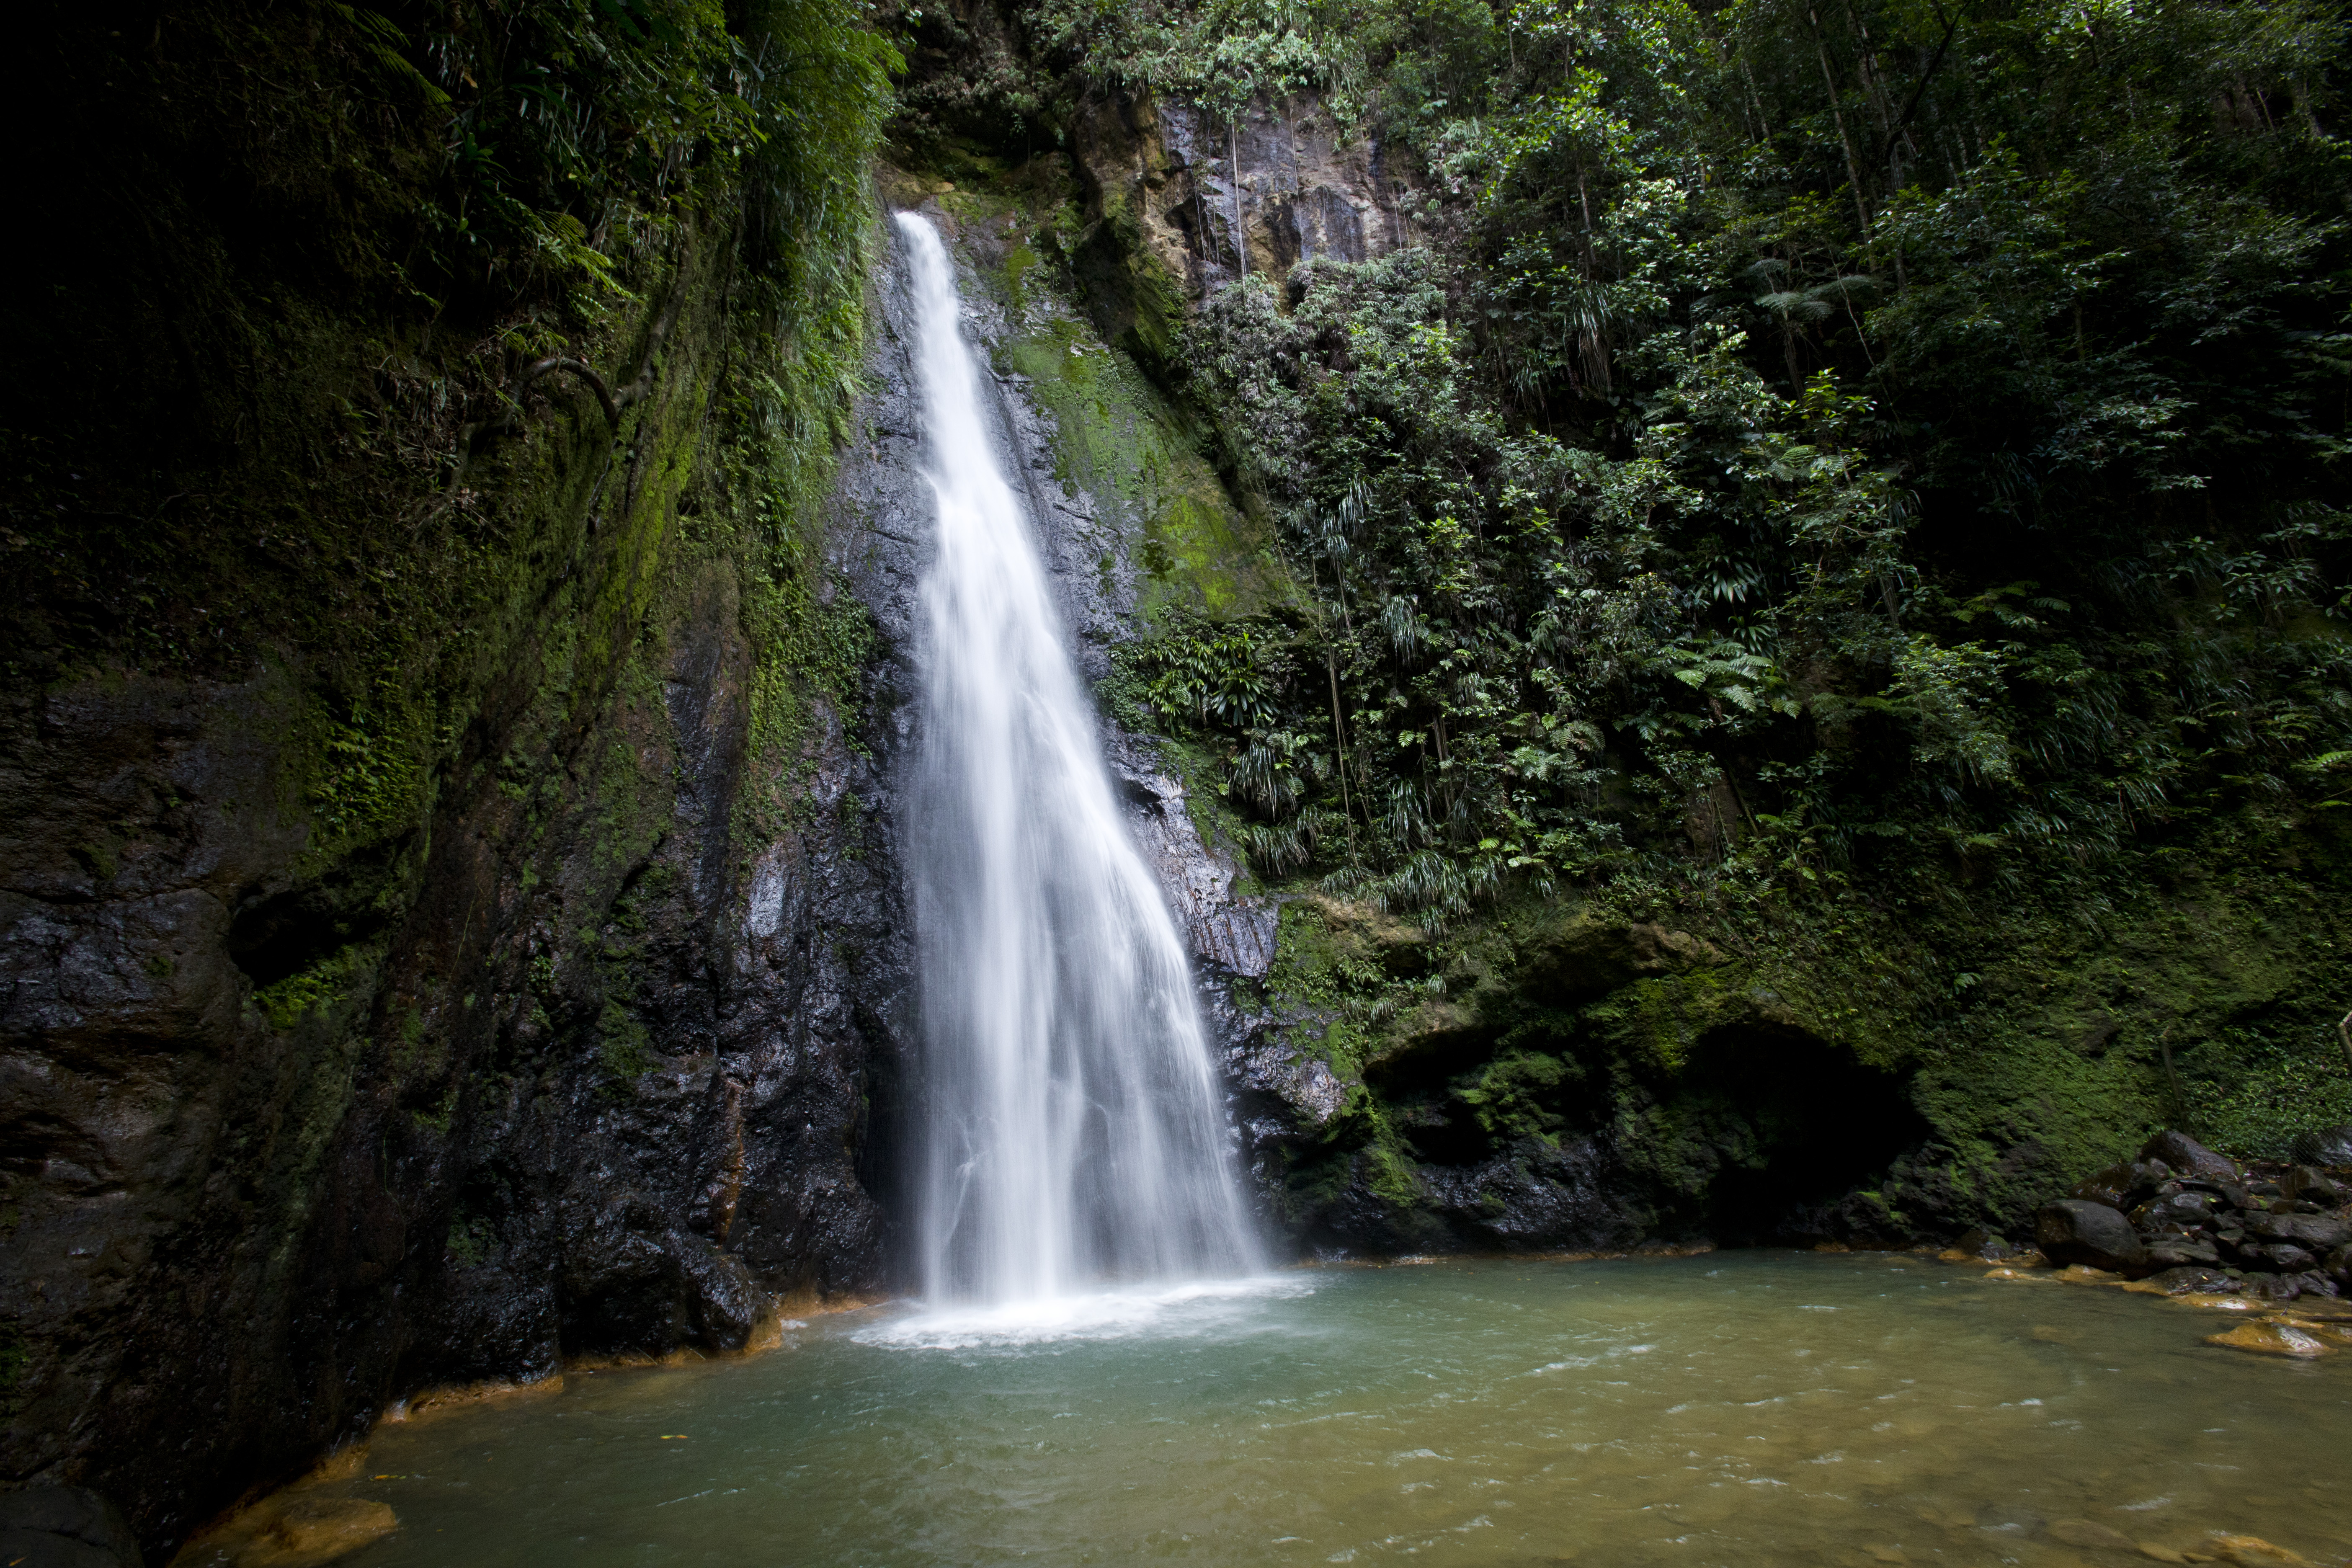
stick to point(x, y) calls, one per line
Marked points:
point(1120, 440)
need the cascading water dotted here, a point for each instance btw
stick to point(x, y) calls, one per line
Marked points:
point(1073, 1130)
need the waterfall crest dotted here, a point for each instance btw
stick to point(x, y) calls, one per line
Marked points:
point(1072, 1131)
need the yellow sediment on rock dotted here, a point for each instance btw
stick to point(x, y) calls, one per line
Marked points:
point(2253, 1552)
point(456, 1396)
point(2269, 1337)
point(2324, 1331)
point(294, 1530)
point(325, 1528)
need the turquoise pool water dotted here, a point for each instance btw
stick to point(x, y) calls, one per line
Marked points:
point(1738, 1408)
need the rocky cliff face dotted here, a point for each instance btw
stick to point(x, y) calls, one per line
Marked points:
point(339, 1061)
point(1211, 201)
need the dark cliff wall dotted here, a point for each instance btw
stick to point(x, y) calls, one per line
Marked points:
point(447, 913)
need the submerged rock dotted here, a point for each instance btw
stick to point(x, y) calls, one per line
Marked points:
point(2253, 1552)
point(2090, 1532)
point(2074, 1230)
point(320, 1530)
point(2268, 1338)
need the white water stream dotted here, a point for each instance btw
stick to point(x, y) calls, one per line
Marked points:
point(1072, 1138)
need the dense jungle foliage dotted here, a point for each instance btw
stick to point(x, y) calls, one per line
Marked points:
point(1897, 419)
point(1827, 453)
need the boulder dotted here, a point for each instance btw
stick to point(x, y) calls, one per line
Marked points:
point(2185, 1210)
point(2273, 1288)
point(2339, 1266)
point(2189, 1157)
point(64, 1526)
point(1977, 1242)
point(2308, 1183)
point(2190, 1281)
point(2315, 1283)
point(2173, 1252)
point(2117, 1185)
point(2327, 1146)
point(2074, 1230)
point(2319, 1232)
point(2228, 1193)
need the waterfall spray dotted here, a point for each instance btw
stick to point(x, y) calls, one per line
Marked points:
point(1072, 1135)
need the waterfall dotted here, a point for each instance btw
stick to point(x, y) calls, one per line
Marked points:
point(1072, 1134)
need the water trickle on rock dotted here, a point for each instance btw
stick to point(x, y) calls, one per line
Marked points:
point(1073, 1133)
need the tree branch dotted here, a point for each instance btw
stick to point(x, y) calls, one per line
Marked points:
point(579, 368)
point(1903, 121)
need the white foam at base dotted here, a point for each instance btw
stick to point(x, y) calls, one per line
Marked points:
point(1163, 1312)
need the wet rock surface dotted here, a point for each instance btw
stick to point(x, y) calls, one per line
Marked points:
point(64, 1526)
point(2190, 1221)
point(2076, 1231)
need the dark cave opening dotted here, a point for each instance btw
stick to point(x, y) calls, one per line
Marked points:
point(1770, 1127)
point(278, 937)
